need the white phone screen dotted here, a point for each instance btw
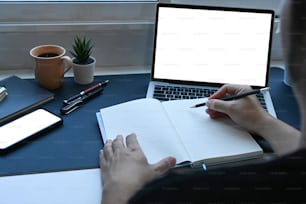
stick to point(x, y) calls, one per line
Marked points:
point(27, 126)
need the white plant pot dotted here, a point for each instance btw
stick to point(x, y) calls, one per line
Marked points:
point(84, 73)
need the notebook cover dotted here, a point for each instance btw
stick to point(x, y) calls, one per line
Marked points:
point(23, 96)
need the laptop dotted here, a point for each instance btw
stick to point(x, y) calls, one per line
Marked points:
point(197, 49)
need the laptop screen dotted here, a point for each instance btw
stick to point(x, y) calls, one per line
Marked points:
point(212, 45)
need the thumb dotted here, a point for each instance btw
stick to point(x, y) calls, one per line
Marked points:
point(217, 105)
point(164, 165)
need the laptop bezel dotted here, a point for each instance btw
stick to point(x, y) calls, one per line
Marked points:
point(165, 5)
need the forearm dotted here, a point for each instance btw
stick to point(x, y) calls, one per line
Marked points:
point(282, 137)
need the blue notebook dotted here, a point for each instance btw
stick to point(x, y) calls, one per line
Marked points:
point(23, 97)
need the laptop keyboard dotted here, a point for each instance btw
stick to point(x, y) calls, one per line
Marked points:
point(166, 93)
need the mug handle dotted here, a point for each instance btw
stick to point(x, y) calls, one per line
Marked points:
point(69, 63)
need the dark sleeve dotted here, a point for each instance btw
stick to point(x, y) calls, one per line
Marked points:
point(280, 181)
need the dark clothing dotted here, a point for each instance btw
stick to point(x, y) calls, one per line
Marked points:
point(282, 180)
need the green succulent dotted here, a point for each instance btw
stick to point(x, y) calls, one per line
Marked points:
point(82, 48)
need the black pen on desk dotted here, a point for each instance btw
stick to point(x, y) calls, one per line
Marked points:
point(77, 103)
point(234, 97)
point(86, 91)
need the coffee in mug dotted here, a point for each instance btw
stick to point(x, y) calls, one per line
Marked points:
point(51, 64)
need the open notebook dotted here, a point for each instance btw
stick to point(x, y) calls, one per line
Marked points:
point(172, 128)
point(197, 49)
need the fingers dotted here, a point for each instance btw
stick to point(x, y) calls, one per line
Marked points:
point(108, 150)
point(102, 158)
point(217, 108)
point(229, 89)
point(214, 114)
point(117, 144)
point(164, 165)
point(132, 143)
point(112, 147)
point(217, 105)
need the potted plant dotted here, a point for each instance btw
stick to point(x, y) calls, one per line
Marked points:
point(83, 63)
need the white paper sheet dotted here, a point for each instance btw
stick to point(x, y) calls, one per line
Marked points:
point(77, 187)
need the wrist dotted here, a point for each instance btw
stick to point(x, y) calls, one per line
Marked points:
point(112, 195)
point(264, 124)
point(119, 194)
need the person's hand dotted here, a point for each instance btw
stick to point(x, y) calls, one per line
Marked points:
point(125, 169)
point(246, 112)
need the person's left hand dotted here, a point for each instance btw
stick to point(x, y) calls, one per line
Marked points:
point(125, 169)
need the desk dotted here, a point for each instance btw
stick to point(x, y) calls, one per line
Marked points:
point(77, 143)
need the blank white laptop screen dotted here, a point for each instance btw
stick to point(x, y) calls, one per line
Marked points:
point(213, 46)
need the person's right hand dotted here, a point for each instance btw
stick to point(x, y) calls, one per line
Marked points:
point(246, 112)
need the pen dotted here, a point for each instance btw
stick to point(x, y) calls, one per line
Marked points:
point(80, 101)
point(86, 91)
point(234, 97)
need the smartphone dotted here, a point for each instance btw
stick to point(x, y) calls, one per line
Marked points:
point(26, 127)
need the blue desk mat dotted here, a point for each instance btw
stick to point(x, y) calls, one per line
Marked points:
point(76, 145)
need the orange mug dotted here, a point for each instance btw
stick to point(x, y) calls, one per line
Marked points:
point(51, 64)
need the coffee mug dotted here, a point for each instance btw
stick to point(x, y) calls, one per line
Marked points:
point(51, 64)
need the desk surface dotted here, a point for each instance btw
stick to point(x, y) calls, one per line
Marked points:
point(77, 143)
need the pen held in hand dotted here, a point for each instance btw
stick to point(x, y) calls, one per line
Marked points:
point(234, 97)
